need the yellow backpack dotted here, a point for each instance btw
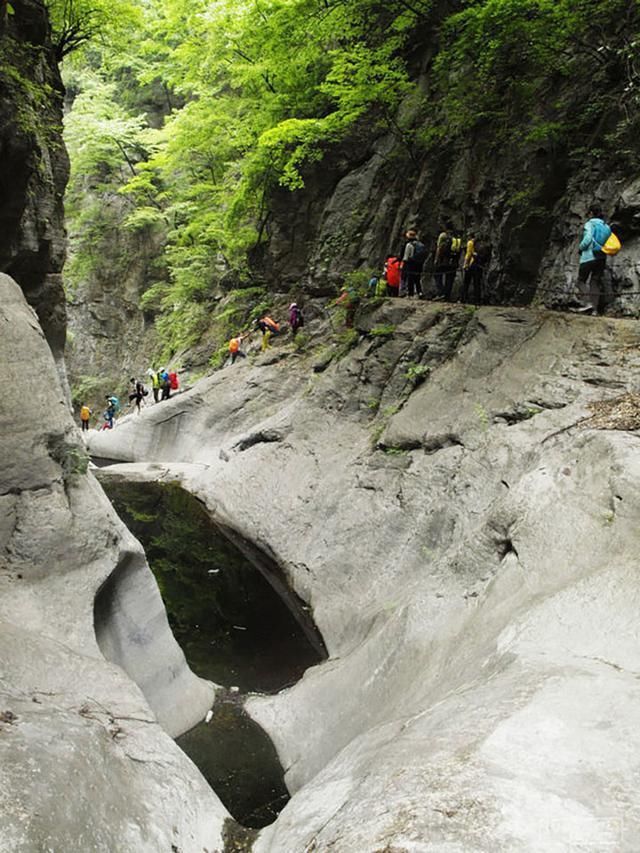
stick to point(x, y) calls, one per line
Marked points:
point(612, 246)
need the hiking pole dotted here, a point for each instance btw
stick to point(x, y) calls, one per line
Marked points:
point(330, 316)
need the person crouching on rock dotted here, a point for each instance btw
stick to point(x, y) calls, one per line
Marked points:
point(268, 327)
point(234, 349)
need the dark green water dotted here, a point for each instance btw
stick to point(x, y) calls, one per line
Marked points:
point(239, 626)
point(233, 626)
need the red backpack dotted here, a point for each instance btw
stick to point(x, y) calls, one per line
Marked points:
point(392, 271)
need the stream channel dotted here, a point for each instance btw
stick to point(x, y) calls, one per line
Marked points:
point(239, 624)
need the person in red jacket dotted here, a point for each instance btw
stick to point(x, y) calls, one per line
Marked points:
point(393, 274)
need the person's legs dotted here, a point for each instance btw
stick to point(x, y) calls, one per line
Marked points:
point(155, 395)
point(478, 273)
point(589, 283)
point(449, 277)
point(467, 277)
point(266, 337)
point(413, 283)
point(417, 283)
point(596, 282)
point(438, 278)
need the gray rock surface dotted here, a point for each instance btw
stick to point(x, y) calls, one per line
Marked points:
point(86, 762)
point(469, 548)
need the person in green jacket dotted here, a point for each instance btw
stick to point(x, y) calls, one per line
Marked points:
point(155, 383)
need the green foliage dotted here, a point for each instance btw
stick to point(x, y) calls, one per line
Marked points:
point(417, 373)
point(301, 341)
point(72, 458)
point(382, 330)
point(255, 94)
point(345, 341)
point(535, 71)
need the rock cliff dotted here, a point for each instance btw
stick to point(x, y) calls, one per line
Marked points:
point(33, 166)
point(87, 761)
point(456, 498)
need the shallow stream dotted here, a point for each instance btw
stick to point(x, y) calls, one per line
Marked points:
point(239, 625)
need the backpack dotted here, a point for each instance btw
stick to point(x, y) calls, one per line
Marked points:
point(456, 246)
point(612, 245)
point(392, 271)
point(419, 255)
point(601, 233)
point(299, 317)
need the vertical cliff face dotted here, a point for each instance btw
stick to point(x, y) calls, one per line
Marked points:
point(33, 166)
point(358, 202)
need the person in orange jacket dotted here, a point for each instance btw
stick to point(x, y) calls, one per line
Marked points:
point(234, 348)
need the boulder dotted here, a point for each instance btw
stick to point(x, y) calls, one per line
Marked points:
point(89, 695)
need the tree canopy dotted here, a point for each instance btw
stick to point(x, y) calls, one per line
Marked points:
point(193, 114)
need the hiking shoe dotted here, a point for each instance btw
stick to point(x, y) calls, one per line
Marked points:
point(583, 309)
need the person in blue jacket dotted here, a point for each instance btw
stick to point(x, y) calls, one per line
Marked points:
point(592, 261)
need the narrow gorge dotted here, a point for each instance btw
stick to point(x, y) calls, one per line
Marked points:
point(372, 587)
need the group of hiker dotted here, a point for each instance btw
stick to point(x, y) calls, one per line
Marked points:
point(402, 277)
point(403, 273)
point(452, 252)
point(269, 329)
point(163, 382)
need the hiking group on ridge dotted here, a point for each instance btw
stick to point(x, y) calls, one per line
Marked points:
point(402, 276)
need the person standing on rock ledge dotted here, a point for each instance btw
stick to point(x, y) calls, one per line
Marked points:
point(593, 261)
point(413, 259)
point(85, 414)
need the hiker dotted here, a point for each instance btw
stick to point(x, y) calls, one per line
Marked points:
point(372, 285)
point(445, 262)
point(476, 261)
point(113, 405)
point(349, 300)
point(392, 274)
point(268, 327)
point(456, 253)
point(165, 383)
point(138, 394)
point(413, 259)
point(234, 348)
point(85, 414)
point(296, 318)
point(593, 261)
point(155, 383)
